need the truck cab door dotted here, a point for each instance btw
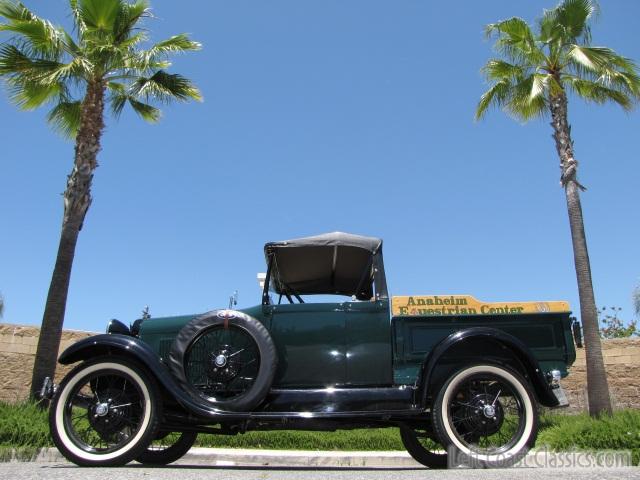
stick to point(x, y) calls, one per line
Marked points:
point(311, 343)
point(368, 343)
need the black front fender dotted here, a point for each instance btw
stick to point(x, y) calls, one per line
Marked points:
point(493, 339)
point(106, 344)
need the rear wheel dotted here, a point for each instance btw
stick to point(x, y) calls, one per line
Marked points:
point(105, 412)
point(422, 447)
point(488, 414)
point(167, 447)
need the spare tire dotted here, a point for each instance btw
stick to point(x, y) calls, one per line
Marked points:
point(226, 358)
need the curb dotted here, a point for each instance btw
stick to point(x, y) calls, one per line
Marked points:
point(229, 457)
point(256, 457)
point(297, 458)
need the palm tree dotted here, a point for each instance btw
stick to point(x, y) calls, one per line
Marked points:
point(537, 72)
point(635, 296)
point(103, 64)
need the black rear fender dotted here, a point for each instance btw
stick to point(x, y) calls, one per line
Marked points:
point(481, 345)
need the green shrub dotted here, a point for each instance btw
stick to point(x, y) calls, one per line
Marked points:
point(566, 432)
point(23, 425)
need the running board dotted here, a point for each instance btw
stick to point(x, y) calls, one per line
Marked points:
point(380, 403)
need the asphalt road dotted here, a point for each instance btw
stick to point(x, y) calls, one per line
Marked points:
point(66, 471)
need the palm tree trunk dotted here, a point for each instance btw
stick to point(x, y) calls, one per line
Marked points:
point(597, 385)
point(77, 199)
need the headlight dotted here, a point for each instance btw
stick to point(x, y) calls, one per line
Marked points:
point(116, 326)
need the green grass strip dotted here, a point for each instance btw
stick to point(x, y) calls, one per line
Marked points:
point(341, 440)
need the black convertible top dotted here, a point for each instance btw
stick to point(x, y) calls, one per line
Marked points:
point(331, 263)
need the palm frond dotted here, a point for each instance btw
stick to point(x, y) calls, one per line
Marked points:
point(16, 62)
point(606, 67)
point(15, 11)
point(568, 21)
point(147, 112)
point(77, 16)
point(593, 59)
point(41, 35)
point(127, 18)
point(29, 95)
point(525, 111)
point(496, 69)
point(539, 85)
point(65, 118)
point(165, 87)
point(516, 41)
point(597, 92)
point(99, 14)
point(141, 64)
point(626, 82)
point(175, 44)
point(77, 69)
point(155, 57)
point(528, 99)
point(496, 96)
point(33, 73)
point(597, 59)
point(133, 40)
point(118, 97)
point(70, 45)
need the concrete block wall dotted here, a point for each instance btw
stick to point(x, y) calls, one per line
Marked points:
point(17, 352)
point(622, 361)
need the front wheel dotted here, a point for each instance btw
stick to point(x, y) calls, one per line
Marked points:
point(105, 412)
point(488, 414)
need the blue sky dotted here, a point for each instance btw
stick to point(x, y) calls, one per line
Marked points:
point(322, 116)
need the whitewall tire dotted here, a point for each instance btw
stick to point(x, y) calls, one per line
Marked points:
point(105, 412)
point(486, 415)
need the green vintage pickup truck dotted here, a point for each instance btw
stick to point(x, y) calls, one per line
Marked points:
point(462, 379)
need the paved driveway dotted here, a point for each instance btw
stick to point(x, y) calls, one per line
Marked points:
point(66, 471)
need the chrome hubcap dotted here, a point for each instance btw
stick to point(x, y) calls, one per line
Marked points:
point(220, 361)
point(489, 411)
point(102, 409)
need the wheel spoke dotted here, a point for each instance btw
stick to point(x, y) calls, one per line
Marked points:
point(82, 401)
point(95, 392)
